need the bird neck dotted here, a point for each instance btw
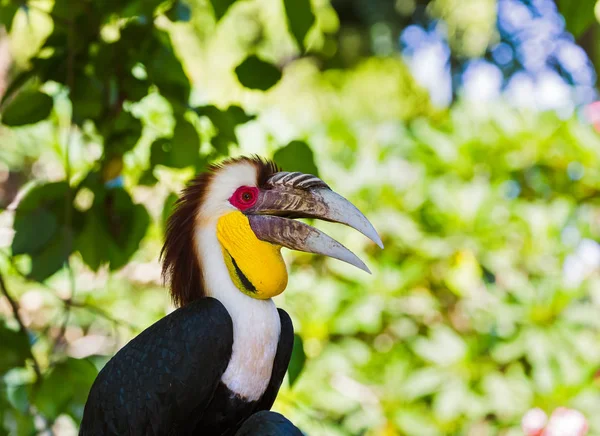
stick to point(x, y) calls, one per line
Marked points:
point(256, 323)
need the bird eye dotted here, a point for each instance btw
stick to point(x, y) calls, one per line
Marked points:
point(244, 197)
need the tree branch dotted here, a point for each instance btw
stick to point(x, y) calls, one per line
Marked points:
point(15, 310)
point(103, 314)
point(71, 302)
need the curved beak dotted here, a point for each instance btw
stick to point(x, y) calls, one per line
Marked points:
point(297, 195)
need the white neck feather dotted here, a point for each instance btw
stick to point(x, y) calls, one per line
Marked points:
point(256, 324)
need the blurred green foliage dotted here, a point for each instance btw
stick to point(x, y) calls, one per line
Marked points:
point(484, 303)
point(481, 305)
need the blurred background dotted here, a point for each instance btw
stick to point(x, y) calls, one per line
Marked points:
point(467, 131)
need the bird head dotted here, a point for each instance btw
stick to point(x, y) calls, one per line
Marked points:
point(238, 215)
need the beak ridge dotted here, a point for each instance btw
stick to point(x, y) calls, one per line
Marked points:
point(299, 195)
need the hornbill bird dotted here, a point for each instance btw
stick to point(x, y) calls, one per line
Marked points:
point(214, 365)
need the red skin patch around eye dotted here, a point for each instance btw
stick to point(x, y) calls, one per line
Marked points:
point(244, 197)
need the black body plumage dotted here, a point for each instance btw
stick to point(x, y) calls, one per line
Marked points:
point(167, 380)
point(266, 423)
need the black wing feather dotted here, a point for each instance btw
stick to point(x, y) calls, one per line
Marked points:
point(265, 423)
point(161, 381)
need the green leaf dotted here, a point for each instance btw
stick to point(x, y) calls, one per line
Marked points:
point(67, 9)
point(89, 242)
point(160, 153)
point(65, 389)
point(296, 156)
point(52, 257)
point(121, 133)
point(179, 12)
point(165, 70)
point(147, 178)
point(254, 73)
point(220, 7)
point(17, 423)
point(238, 116)
point(185, 144)
point(578, 15)
point(126, 245)
point(33, 231)
point(4, 411)
point(297, 360)
point(16, 84)
point(135, 89)
point(225, 122)
point(28, 107)
point(7, 14)
point(143, 9)
point(40, 229)
point(18, 396)
point(45, 195)
point(114, 227)
point(52, 67)
point(38, 232)
point(180, 151)
point(300, 19)
point(15, 349)
point(87, 97)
